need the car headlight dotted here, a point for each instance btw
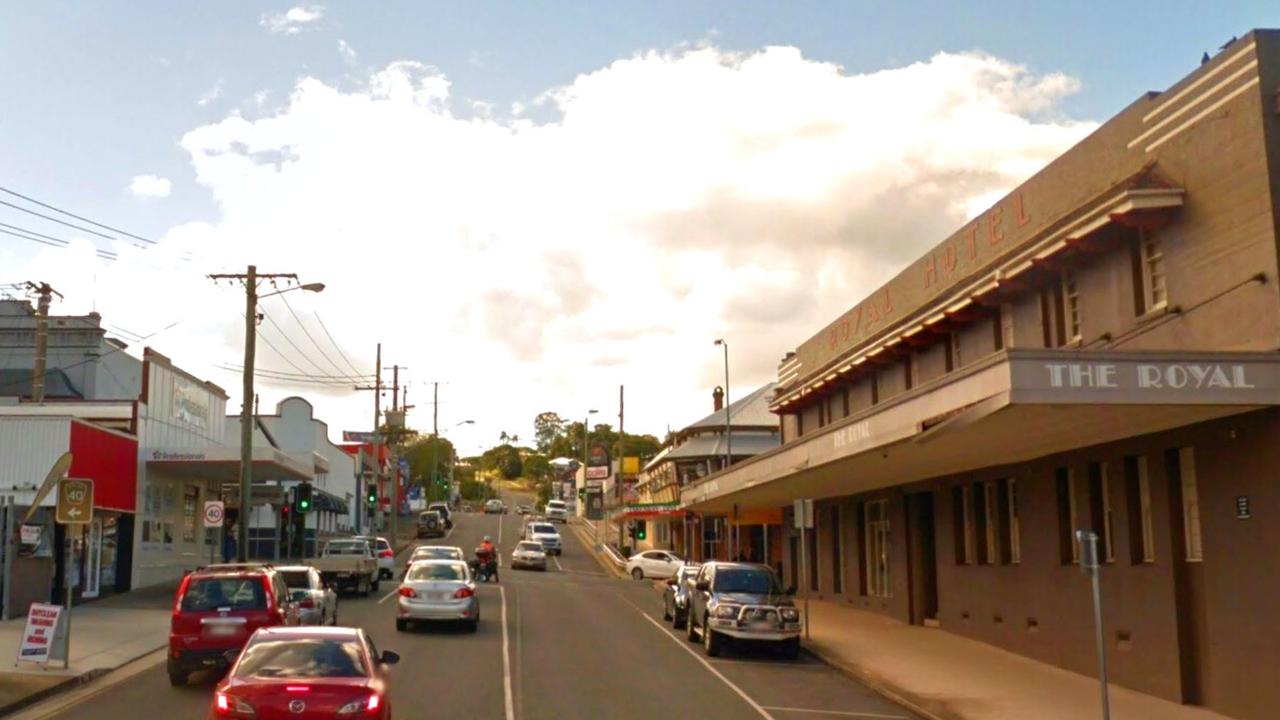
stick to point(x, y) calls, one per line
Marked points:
point(789, 614)
point(727, 611)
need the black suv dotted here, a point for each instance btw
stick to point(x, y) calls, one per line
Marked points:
point(742, 601)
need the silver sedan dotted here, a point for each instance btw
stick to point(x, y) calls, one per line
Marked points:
point(317, 602)
point(438, 590)
point(529, 554)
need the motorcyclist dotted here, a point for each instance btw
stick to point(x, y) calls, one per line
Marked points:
point(487, 557)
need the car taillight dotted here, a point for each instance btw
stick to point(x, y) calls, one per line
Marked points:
point(406, 591)
point(369, 706)
point(182, 591)
point(465, 592)
point(224, 704)
point(385, 553)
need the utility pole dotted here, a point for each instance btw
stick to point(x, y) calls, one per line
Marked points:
point(250, 279)
point(395, 458)
point(377, 416)
point(620, 487)
point(435, 434)
point(45, 291)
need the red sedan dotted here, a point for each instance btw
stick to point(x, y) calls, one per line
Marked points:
point(305, 673)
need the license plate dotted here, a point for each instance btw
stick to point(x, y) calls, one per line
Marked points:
point(222, 630)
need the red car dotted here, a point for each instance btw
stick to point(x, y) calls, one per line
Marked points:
point(305, 673)
point(216, 610)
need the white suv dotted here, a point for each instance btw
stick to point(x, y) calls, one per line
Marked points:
point(555, 511)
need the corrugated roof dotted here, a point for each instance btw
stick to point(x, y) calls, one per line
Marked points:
point(712, 445)
point(749, 411)
point(57, 386)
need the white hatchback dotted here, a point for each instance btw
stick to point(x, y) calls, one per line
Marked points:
point(660, 564)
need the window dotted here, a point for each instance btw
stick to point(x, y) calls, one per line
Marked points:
point(962, 502)
point(1070, 306)
point(1065, 485)
point(846, 402)
point(1142, 542)
point(1190, 504)
point(877, 544)
point(799, 424)
point(191, 496)
point(1011, 525)
point(837, 542)
point(990, 519)
point(953, 350)
point(1101, 510)
point(811, 560)
point(908, 372)
point(1154, 290)
point(822, 414)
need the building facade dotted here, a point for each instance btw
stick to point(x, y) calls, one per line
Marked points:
point(1097, 351)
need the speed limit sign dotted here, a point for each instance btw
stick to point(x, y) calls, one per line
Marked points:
point(213, 513)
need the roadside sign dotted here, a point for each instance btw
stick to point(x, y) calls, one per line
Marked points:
point(44, 637)
point(598, 473)
point(75, 501)
point(214, 512)
point(803, 511)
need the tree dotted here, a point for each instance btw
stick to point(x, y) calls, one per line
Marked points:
point(547, 427)
point(419, 454)
point(641, 446)
point(537, 467)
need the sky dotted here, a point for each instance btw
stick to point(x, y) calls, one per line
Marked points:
point(532, 204)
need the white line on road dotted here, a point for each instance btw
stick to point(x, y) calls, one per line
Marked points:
point(683, 646)
point(841, 713)
point(506, 657)
point(557, 559)
point(499, 530)
point(388, 595)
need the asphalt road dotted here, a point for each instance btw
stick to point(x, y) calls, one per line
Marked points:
point(568, 643)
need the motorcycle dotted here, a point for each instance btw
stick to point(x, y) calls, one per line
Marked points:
point(484, 567)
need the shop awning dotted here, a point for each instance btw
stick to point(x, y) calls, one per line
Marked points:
point(1012, 407)
point(223, 463)
point(327, 501)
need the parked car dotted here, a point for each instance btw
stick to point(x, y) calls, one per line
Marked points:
point(524, 509)
point(443, 508)
point(495, 507)
point(742, 601)
point(382, 550)
point(675, 597)
point(556, 511)
point(436, 552)
point(529, 554)
point(340, 671)
point(217, 608)
point(438, 590)
point(546, 534)
point(348, 564)
point(660, 564)
point(317, 602)
point(430, 524)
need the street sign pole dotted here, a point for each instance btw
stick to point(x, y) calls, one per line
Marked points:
point(1089, 564)
point(803, 511)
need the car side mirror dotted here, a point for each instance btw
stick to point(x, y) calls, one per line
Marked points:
point(388, 658)
point(703, 586)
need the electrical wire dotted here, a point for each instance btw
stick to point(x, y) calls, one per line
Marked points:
point(267, 374)
point(78, 217)
point(306, 332)
point(337, 347)
point(306, 376)
point(51, 241)
point(289, 340)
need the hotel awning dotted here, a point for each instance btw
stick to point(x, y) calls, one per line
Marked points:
point(1012, 407)
point(223, 463)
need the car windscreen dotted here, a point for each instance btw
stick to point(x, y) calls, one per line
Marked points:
point(237, 593)
point(297, 579)
point(555, 505)
point(543, 529)
point(530, 546)
point(303, 658)
point(747, 580)
point(435, 571)
point(345, 548)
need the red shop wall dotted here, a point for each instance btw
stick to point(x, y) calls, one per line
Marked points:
point(110, 460)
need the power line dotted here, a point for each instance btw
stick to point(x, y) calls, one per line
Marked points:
point(307, 376)
point(33, 236)
point(60, 222)
point(268, 376)
point(78, 217)
point(59, 241)
point(306, 332)
point(289, 340)
point(32, 239)
point(336, 346)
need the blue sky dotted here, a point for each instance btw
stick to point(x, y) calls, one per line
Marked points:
point(95, 94)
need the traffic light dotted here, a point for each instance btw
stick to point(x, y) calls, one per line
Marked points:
point(642, 529)
point(302, 497)
point(372, 495)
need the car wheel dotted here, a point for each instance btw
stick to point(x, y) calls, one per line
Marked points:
point(711, 640)
point(791, 648)
point(401, 624)
point(177, 677)
point(679, 621)
point(666, 609)
point(363, 587)
point(473, 625)
point(637, 573)
point(691, 631)
point(376, 584)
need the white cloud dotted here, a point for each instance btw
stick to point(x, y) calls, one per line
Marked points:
point(150, 186)
point(675, 197)
point(292, 21)
point(210, 95)
point(347, 52)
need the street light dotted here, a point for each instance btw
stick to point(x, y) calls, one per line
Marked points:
point(728, 444)
point(453, 461)
point(246, 410)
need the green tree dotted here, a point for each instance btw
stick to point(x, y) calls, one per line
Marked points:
point(537, 467)
point(547, 427)
point(420, 453)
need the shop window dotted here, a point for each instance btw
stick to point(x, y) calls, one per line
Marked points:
point(822, 413)
point(1010, 524)
point(988, 521)
point(845, 396)
point(1100, 510)
point(190, 498)
point(1155, 293)
point(954, 359)
point(799, 424)
point(1070, 306)
point(1065, 485)
point(860, 519)
point(837, 551)
point(908, 372)
point(1190, 504)
point(811, 551)
point(998, 327)
point(877, 544)
point(1142, 536)
point(962, 505)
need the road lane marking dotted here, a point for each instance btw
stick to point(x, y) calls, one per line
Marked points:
point(841, 713)
point(388, 595)
point(557, 559)
point(684, 646)
point(506, 658)
point(500, 530)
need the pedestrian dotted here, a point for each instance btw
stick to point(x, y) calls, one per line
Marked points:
point(229, 548)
